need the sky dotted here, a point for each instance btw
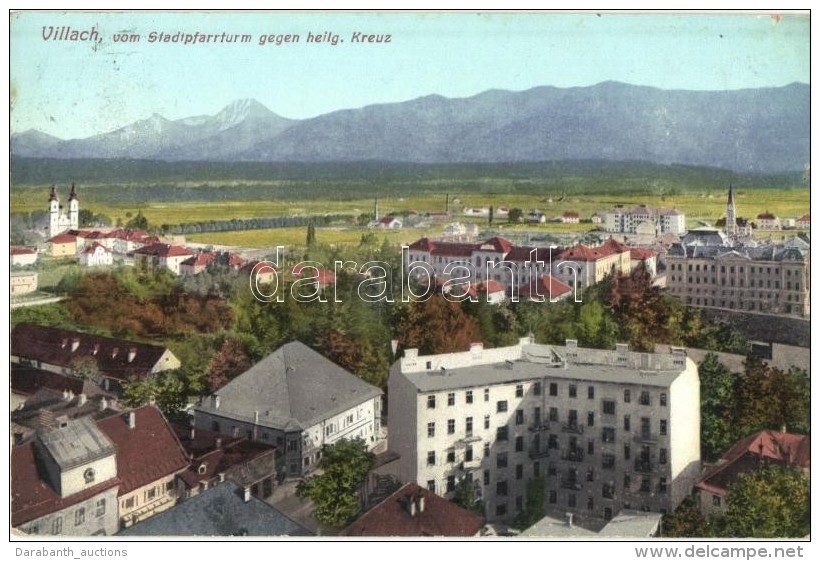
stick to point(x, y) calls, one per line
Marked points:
point(78, 89)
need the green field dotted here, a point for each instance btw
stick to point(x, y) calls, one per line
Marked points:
point(183, 193)
point(271, 237)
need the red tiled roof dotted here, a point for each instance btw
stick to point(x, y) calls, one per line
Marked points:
point(32, 497)
point(63, 238)
point(766, 216)
point(146, 453)
point(235, 260)
point(524, 253)
point(27, 380)
point(490, 287)
point(50, 345)
point(321, 276)
point(571, 215)
point(641, 254)
point(500, 245)
point(804, 218)
point(22, 251)
point(612, 246)
point(163, 250)
point(440, 517)
point(546, 286)
point(748, 454)
point(200, 259)
point(581, 252)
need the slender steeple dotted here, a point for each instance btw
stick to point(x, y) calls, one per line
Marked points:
point(53, 195)
point(731, 218)
point(73, 209)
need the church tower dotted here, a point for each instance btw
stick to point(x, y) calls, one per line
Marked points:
point(53, 213)
point(731, 218)
point(73, 209)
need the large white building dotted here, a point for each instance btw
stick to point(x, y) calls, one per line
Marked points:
point(297, 400)
point(627, 220)
point(606, 430)
point(59, 221)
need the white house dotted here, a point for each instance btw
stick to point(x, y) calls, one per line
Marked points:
point(95, 255)
point(22, 256)
point(297, 400)
point(607, 430)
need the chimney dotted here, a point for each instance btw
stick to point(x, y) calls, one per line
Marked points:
point(75, 344)
point(132, 419)
point(215, 401)
point(256, 417)
point(412, 506)
point(103, 404)
point(247, 493)
point(96, 349)
point(114, 352)
point(422, 503)
point(81, 399)
point(218, 443)
point(221, 476)
point(69, 396)
point(568, 519)
point(132, 353)
point(192, 434)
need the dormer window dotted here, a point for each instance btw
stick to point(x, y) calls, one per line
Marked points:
point(89, 475)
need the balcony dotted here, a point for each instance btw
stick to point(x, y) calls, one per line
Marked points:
point(643, 466)
point(573, 428)
point(539, 426)
point(475, 463)
point(536, 452)
point(468, 438)
point(574, 455)
point(646, 438)
point(570, 483)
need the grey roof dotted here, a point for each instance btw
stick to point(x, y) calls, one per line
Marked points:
point(76, 442)
point(219, 511)
point(763, 252)
point(291, 389)
point(590, 365)
point(627, 524)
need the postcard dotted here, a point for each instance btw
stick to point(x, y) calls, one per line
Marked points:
point(366, 275)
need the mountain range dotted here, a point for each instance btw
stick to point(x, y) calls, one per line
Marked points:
point(763, 130)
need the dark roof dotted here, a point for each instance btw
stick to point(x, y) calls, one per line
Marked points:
point(764, 447)
point(244, 461)
point(47, 403)
point(219, 511)
point(27, 380)
point(292, 388)
point(51, 345)
point(146, 453)
point(547, 286)
point(22, 251)
point(163, 250)
point(32, 497)
point(439, 517)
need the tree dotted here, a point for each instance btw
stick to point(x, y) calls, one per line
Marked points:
point(86, 367)
point(533, 506)
point(436, 326)
point(718, 399)
point(139, 222)
point(230, 361)
point(492, 212)
point(769, 398)
point(165, 389)
point(465, 497)
point(773, 502)
point(686, 522)
point(335, 493)
point(310, 240)
point(515, 215)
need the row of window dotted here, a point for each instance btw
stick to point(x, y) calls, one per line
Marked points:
point(572, 391)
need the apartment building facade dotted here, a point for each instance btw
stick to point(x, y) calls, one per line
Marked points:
point(605, 430)
point(766, 278)
point(627, 220)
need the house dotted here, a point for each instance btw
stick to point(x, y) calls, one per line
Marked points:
point(149, 461)
point(413, 511)
point(215, 457)
point(492, 292)
point(95, 255)
point(646, 257)
point(260, 271)
point(628, 524)
point(26, 381)
point(767, 221)
point(626, 220)
point(297, 400)
point(545, 289)
point(22, 282)
point(387, 222)
point(708, 270)
point(114, 361)
point(607, 430)
point(767, 447)
point(196, 264)
point(127, 240)
point(62, 245)
point(536, 217)
point(225, 510)
point(318, 277)
point(22, 256)
point(64, 482)
point(570, 218)
point(160, 255)
point(804, 222)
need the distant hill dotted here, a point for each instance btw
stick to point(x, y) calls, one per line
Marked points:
point(749, 131)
